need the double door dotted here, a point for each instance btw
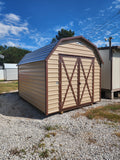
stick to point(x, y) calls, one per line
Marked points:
point(76, 81)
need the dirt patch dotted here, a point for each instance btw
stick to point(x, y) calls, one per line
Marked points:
point(7, 81)
point(11, 104)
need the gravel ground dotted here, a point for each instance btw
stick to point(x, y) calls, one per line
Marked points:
point(25, 133)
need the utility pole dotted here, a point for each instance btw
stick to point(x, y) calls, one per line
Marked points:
point(110, 58)
point(110, 47)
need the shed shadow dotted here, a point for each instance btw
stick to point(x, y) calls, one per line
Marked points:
point(11, 104)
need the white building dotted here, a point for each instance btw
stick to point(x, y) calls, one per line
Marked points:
point(9, 72)
point(110, 71)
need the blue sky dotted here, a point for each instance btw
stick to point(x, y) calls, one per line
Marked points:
point(32, 24)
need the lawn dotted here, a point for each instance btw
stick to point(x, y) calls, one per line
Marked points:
point(110, 112)
point(8, 86)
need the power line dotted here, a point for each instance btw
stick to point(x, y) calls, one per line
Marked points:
point(103, 25)
point(96, 28)
point(111, 32)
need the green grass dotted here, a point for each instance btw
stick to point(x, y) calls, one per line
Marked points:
point(50, 127)
point(47, 135)
point(109, 112)
point(41, 145)
point(117, 134)
point(17, 152)
point(7, 87)
point(1, 80)
point(44, 154)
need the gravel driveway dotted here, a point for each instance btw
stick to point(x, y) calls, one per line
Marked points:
point(25, 133)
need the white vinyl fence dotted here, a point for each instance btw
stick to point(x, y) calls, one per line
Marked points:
point(1, 74)
point(9, 74)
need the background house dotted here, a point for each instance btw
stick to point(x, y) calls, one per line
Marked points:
point(110, 71)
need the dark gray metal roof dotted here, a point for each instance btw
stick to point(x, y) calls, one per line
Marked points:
point(38, 55)
point(45, 52)
point(113, 47)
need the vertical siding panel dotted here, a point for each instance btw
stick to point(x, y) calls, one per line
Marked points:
point(46, 87)
point(105, 70)
point(116, 71)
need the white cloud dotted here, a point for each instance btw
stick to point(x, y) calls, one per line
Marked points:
point(116, 2)
point(39, 39)
point(1, 5)
point(110, 7)
point(42, 40)
point(19, 45)
point(71, 23)
point(100, 43)
point(89, 19)
point(80, 22)
point(115, 34)
point(12, 24)
point(12, 17)
point(25, 24)
point(116, 43)
point(29, 47)
point(108, 33)
point(67, 26)
point(87, 9)
point(11, 44)
point(58, 28)
point(6, 30)
point(16, 30)
point(117, 6)
point(102, 11)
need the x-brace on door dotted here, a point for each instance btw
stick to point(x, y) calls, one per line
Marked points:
point(76, 81)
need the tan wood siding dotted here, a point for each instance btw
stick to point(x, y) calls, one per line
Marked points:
point(32, 83)
point(70, 48)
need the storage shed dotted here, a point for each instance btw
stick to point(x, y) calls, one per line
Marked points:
point(10, 71)
point(1, 72)
point(61, 76)
point(110, 71)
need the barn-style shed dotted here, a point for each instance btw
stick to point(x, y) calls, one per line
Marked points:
point(110, 71)
point(61, 76)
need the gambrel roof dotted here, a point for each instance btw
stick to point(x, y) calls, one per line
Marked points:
point(38, 55)
point(45, 52)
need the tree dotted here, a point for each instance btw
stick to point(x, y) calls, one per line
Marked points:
point(63, 33)
point(2, 48)
point(12, 54)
